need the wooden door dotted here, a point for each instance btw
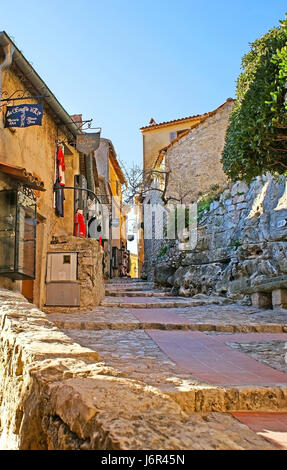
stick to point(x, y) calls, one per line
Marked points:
point(27, 289)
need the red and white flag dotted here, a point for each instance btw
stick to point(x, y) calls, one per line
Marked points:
point(61, 166)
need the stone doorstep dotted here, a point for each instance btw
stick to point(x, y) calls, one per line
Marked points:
point(138, 325)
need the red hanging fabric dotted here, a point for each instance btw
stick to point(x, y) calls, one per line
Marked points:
point(61, 166)
point(79, 225)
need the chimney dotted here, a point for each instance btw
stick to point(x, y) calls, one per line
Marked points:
point(78, 119)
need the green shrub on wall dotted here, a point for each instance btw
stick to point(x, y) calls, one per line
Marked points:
point(256, 139)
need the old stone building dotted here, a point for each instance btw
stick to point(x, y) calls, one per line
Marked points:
point(158, 135)
point(193, 159)
point(186, 167)
point(38, 165)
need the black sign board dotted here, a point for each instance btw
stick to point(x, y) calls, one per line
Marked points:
point(24, 115)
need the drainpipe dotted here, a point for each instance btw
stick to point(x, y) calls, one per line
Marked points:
point(8, 51)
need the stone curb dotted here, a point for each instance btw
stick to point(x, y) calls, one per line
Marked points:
point(209, 398)
point(137, 325)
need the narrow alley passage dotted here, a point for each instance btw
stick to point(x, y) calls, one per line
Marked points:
point(210, 356)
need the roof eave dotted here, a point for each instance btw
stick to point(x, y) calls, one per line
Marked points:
point(116, 164)
point(197, 117)
point(29, 72)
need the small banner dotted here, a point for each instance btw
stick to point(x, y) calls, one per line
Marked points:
point(24, 115)
point(88, 143)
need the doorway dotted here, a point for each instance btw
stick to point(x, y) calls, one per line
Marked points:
point(27, 289)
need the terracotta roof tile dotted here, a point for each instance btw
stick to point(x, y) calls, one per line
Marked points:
point(166, 123)
point(21, 174)
point(154, 125)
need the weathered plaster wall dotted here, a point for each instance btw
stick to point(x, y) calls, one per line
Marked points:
point(242, 242)
point(154, 139)
point(34, 149)
point(90, 273)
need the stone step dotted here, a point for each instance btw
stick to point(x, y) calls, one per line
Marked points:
point(191, 367)
point(135, 293)
point(156, 302)
point(125, 280)
point(128, 287)
point(266, 329)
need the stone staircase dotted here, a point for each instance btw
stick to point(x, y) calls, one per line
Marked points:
point(119, 291)
point(182, 346)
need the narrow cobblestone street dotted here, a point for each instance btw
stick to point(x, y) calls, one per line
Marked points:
point(221, 362)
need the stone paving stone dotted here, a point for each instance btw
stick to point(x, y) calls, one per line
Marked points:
point(272, 426)
point(272, 353)
point(99, 314)
point(248, 337)
point(233, 314)
point(213, 361)
point(155, 302)
point(137, 355)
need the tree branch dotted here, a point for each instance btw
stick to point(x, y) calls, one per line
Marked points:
point(277, 163)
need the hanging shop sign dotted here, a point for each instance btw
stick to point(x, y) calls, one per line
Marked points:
point(88, 143)
point(24, 115)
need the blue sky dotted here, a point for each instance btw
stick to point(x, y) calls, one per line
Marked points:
point(123, 62)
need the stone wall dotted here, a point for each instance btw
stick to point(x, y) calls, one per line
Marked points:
point(194, 161)
point(56, 395)
point(242, 241)
point(157, 136)
point(90, 268)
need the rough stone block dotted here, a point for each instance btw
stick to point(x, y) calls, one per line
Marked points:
point(279, 298)
point(239, 188)
point(239, 199)
point(241, 206)
point(261, 300)
point(214, 205)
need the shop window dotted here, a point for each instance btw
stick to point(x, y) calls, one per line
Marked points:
point(17, 234)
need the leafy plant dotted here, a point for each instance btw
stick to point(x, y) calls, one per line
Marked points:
point(235, 244)
point(162, 251)
point(204, 202)
point(256, 139)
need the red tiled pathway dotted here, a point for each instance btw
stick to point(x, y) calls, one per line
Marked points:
point(272, 425)
point(213, 361)
point(158, 315)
